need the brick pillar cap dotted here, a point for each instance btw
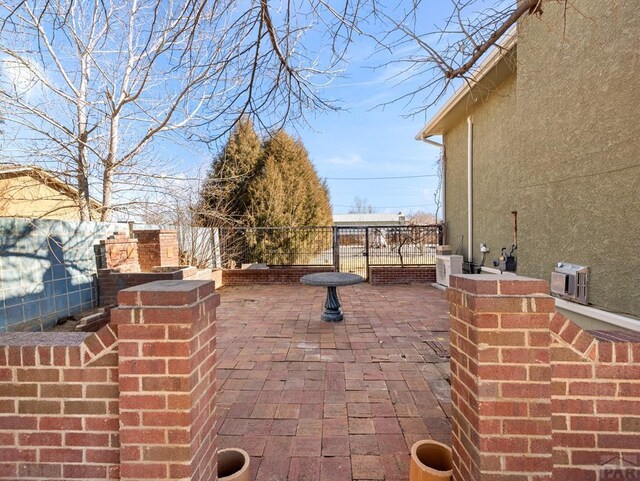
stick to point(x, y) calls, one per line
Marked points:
point(155, 231)
point(493, 284)
point(165, 293)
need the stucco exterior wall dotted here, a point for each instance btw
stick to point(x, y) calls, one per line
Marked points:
point(579, 146)
point(455, 204)
point(561, 146)
point(494, 164)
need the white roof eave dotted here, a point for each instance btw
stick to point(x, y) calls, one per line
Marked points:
point(489, 64)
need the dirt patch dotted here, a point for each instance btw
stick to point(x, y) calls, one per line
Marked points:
point(86, 321)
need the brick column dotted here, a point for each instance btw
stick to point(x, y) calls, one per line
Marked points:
point(167, 354)
point(121, 252)
point(157, 248)
point(500, 378)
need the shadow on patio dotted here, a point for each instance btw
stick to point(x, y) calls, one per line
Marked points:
point(311, 400)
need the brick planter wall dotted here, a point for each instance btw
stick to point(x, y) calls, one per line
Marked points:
point(274, 275)
point(152, 256)
point(500, 378)
point(59, 405)
point(157, 248)
point(136, 400)
point(110, 281)
point(167, 380)
point(534, 396)
point(121, 252)
point(401, 275)
point(595, 381)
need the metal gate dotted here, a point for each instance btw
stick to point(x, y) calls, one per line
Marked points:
point(351, 250)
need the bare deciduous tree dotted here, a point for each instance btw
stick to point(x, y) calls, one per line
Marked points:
point(438, 54)
point(80, 82)
point(91, 89)
point(421, 217)
point(178, 204)
point(361, 206)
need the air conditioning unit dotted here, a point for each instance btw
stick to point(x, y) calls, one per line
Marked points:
point(445, 266)
point(570, 281)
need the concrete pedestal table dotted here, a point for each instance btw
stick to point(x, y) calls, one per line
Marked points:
point(331, 280)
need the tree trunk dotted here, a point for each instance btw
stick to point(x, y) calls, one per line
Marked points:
point(107, 194)
point(84, 202)
point(109, 168)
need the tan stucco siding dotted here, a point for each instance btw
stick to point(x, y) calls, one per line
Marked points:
point(493, 168)
point(455, 142)
point(561, 146)
point(24, 196)
point(579, 146)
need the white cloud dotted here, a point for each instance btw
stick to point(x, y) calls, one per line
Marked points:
point(21, 77)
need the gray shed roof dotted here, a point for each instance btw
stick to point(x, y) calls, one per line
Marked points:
point(368, 219)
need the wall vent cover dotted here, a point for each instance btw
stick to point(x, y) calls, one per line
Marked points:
point(570, 281)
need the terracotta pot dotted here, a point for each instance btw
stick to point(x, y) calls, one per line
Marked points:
point(233, 465)
point(430, 461)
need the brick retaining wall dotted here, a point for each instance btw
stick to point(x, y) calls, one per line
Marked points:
point(401, 275)
point(121, 252)
point(59, 405)
point(134, 401)
point(110, 281)
point(167, 380)
point(151, 256)
point(274, 275)
point(534, 396)
point(595, 402)
point(157, 248)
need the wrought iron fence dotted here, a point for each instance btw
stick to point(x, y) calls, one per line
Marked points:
point(350, 249)
point(411, 245)
point(276, 246)
point(360, 247)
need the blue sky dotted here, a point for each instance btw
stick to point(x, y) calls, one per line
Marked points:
point(363, 140)
point(366, 141)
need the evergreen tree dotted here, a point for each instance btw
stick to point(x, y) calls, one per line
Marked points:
point(287, 191)
point(270, 185)
point(224, 198)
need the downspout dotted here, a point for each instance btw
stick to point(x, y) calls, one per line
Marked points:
point(432, 142)
point(443, 184)
point(470, 191)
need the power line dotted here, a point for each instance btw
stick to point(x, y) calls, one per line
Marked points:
point(389, 206)
point(382, 178)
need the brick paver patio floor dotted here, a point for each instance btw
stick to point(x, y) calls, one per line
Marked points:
point(311, 400)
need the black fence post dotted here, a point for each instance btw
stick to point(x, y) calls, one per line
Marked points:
point(366, 253)
point(336, 247)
